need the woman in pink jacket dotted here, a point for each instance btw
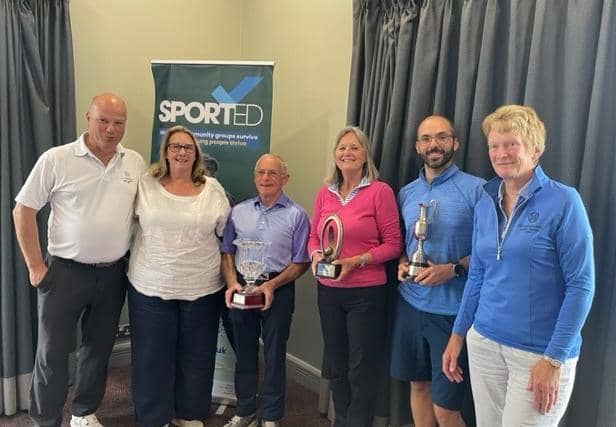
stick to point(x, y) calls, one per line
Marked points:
point(352, 306)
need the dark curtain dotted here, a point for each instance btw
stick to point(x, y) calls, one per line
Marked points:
point(37, 111)
point(465, 58)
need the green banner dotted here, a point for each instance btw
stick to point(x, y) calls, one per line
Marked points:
point(227, 105)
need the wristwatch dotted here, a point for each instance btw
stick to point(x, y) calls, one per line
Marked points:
point(554, 362)
point(459, 270)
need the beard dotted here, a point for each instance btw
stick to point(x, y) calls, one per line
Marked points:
point(437, 164)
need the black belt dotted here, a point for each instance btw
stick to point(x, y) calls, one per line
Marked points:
point(86, 265)
point(268, 276)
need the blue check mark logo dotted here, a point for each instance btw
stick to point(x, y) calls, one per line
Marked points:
point(238, 93)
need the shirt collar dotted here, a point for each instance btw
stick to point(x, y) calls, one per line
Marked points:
point(334, 187)
point(81, 149)
point(524, 192)
point(283, 201)
point(442, 177)
point(494, 186)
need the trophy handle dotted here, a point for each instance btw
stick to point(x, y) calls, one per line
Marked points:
point(434, 204)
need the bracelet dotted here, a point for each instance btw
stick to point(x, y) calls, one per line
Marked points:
point(362, 261)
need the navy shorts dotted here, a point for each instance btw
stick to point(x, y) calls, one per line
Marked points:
point(418, 342)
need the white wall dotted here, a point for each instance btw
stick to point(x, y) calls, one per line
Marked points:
point(114, 41)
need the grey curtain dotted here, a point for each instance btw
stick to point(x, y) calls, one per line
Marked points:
point(463, 59)
point(37, 111)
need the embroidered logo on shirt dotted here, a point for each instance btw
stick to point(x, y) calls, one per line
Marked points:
point(127, 178)
point(531, 226)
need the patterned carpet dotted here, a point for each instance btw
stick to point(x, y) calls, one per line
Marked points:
point(117, 409)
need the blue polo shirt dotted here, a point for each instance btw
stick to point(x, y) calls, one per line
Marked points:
point(451, 198)
point(284, 224)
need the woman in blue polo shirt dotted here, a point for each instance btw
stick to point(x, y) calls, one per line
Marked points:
point(530, 285)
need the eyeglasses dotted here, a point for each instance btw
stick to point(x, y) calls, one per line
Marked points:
point(441, 138)
point(268, 172)
point(189, 148)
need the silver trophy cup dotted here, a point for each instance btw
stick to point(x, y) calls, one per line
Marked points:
point(418, 261)
point(250, 262)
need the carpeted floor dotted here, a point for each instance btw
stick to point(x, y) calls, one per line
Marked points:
point(117, 409)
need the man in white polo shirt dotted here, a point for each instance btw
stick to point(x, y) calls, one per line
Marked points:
point(90, 185)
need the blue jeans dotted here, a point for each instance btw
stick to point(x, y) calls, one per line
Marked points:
point(173, 346)
point(274, 324)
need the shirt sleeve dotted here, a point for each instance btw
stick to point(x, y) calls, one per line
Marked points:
point(470, 296)
point(300, 238)
point(574, 244)
point(142, 166)
point(403, 230)
point(314, 241)
point(228, 236)
point(225, 209)
point(36, 191)
point(388, 224)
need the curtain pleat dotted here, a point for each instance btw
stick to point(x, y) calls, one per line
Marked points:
point(37, 111)
point(465, 58)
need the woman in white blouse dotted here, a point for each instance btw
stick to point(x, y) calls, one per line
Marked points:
point(177, 292)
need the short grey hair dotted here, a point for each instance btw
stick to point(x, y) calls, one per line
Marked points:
point(283, 165)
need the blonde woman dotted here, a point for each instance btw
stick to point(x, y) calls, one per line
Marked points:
point(530, 284)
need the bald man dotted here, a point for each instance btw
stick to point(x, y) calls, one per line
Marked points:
point(90, 185)
point(428, 303)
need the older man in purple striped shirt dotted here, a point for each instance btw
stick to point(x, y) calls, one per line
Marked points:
point(271, 217)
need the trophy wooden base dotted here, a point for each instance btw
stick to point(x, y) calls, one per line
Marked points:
point(325, 270)
point(245, 301)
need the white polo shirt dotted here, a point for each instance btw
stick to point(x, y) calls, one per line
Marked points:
point(92, 204)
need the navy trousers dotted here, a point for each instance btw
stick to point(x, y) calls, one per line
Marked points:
point(273, 325)
point(173, 346)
